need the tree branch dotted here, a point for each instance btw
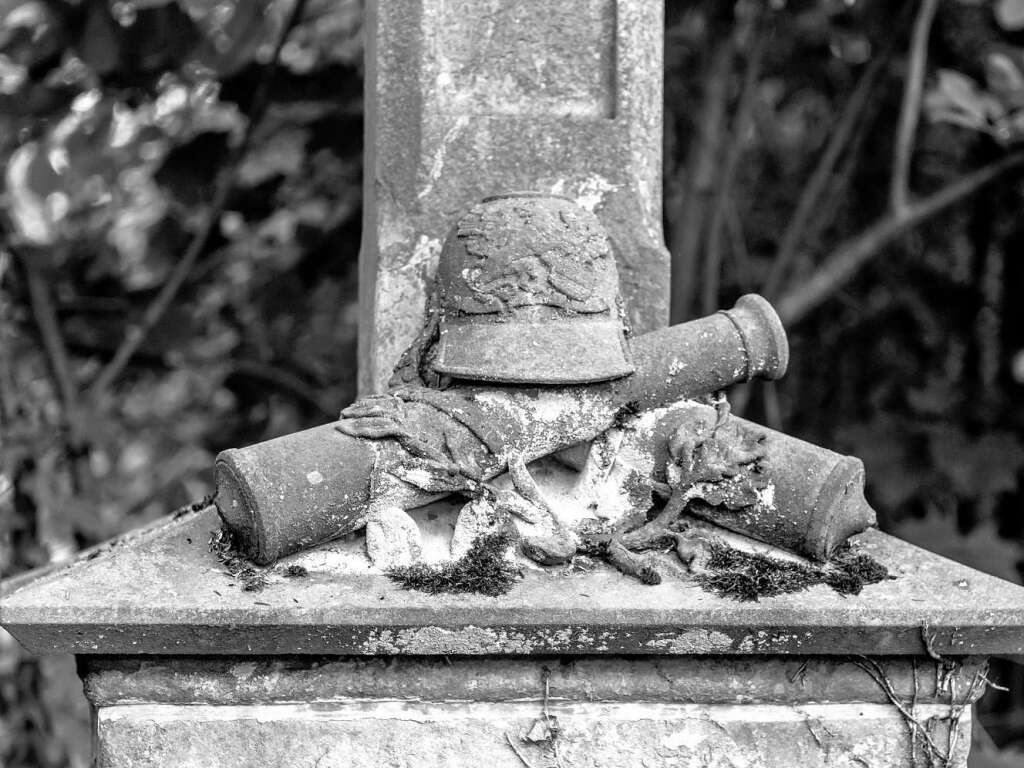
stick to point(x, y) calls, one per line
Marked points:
point(285, 381)
point(740, 127)
point(137, 334)
point(852, 255)
point(687, 229)
point(738, 246)
point(45, 317)
point(910, 110)
point(812, 193)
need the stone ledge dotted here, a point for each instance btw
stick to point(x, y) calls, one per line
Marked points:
point(163, 592)
point(681, 679)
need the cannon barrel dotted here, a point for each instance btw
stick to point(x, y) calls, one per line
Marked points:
point(816, 498)
point(299, 490)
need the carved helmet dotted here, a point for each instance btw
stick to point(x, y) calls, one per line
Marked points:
point(528, 293)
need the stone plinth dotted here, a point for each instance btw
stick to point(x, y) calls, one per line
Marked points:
point(467, 99)
point(691, 711)
point(374, 734)
point(341, 667)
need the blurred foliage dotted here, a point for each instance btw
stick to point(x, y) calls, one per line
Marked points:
point(916, 364)
point(118, 118)
point(115, 120)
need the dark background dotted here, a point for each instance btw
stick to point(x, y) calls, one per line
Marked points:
point(167, 166)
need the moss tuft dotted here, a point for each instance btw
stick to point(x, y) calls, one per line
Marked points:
point(748, 576)
point(626, 413)
point(483, 570)
point(866, 568)
point(222, 545)
point(197, 506)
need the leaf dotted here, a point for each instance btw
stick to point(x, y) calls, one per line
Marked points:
point(1005, 79)
point(330, 33)
point(1010, 129)
point(30, 181)
point(956, 98)
point(30, 34)
point(235, 32)
point(282, 154)
point(1009, 14)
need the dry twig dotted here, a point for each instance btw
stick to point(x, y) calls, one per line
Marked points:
point(285, 381)
point(740, 129)
point(810, 198)
point(45, 317)
point(687, 227)
point(852, 255)
point(910, 109)
point(738, 246)
point(917, 730)
point(922, 733)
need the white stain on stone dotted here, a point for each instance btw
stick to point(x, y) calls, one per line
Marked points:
point(244, 670)
point(419, 477)
point(402, 288)
point(692, 641)
point(437, 166)
point(434, 640)
point(425, 253)
point(676, 366)
point(591, 192)
point(314, 477)
point(588, 193)
point(687, 738)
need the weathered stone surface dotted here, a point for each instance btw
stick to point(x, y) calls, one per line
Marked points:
point(682, 679)
point(467, 99)
point(380, 733)
point(164, 592)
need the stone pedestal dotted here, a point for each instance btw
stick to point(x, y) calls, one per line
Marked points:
point(461, 711)
point(341, 667)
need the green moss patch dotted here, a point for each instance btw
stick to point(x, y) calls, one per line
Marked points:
point(748, 576)
point(483, 570)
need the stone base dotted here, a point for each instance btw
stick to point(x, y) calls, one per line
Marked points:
point(654, 711)
point(358, 734)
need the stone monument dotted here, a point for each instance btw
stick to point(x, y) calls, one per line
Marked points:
point(546, 541)
point(468, 98)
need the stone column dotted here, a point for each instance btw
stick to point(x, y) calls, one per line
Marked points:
point(467, 98)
